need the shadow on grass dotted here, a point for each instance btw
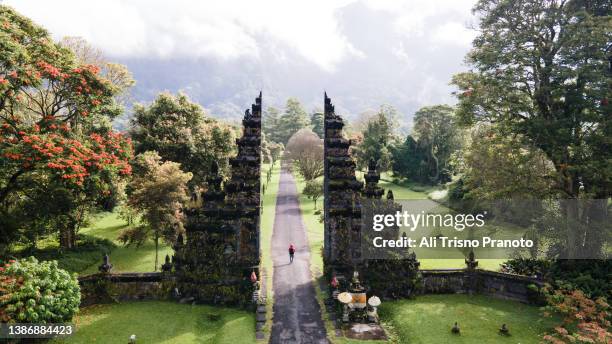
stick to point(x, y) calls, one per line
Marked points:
point(89, 251)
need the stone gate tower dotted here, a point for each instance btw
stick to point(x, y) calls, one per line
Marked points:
point(341, 212)
point(345, 200)
point(221, 249)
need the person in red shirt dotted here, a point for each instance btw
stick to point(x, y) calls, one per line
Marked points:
point(291, 252)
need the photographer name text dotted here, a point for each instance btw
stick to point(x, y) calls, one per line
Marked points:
point(448, 242)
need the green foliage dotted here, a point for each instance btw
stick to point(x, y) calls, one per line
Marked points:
point(179, 131)
point(158, 192)
point(541, 70)
point(270, 122)
point(592, 277)
point(40, 292)
point(317, 122)
point(500, 165)
point(58, 152)
point(425, 156)
point(409, 161)
point(313, 190)
point(88, 252)
point(293, 119)
point(541, 73)
point(526, 266)
point(378, 136)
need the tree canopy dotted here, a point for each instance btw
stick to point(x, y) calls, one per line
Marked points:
point(179, 131)
point(376, 139)
point(542, 69)
point(55, 134)
point(293, 119)
point(305, 149)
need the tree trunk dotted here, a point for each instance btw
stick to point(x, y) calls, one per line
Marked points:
point(67, 237)
point(156, 249)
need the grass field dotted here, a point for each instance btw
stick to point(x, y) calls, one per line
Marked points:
point(124, 259)
point(98, 238)
point(162, 322)
point(428, 320)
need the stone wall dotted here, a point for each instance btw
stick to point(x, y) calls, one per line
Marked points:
point(494, 284)
point(105, 287)
point(159, 286)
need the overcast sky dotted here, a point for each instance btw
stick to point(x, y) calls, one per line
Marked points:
point(391, 51)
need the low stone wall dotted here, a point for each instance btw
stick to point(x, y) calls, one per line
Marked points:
point(494, 284)
point(103, 287)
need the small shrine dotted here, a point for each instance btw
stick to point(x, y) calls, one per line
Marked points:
point(359, 313)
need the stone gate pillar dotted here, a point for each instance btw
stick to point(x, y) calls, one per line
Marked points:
point(345, 199)
point(243, 198)
point(342, 195)
point(221, 249)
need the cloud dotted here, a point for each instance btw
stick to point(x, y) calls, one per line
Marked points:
point(180, 28)
point(363, 52)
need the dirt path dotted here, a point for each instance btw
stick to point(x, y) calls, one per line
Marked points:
point(297, 315)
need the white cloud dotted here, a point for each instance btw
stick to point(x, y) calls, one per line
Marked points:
point(228, 29)
point(221, 29)
point(429, 18)
point(402, 52)
point(454, 33)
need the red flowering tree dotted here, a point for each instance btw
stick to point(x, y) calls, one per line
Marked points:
point(55, 135)
point(584, 320)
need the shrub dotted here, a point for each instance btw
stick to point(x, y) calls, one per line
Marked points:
point(38, 292)
point(591, 276)
point(526, 266)
point(584, 320)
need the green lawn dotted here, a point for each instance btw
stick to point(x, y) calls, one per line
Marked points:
point(98, 238)
point(442, 258)
point(267, 226)
point(162, 322)
point(428, 320)
point(124, 259)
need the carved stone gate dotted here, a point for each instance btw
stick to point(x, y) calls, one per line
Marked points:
point(221, 249)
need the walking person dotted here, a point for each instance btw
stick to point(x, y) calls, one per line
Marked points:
point(291, 252)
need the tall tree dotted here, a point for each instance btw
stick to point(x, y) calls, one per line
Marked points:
point(178, 130)
point(293, 119)
point(378, 136)
point(436, 130)
point(270, 123)
point(541, 69)
point(159, 190)
point(55, 136)
point(316, 122)
point(313, 190)
point(409, 160)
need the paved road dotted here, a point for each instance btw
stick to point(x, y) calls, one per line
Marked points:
point(297, 315)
